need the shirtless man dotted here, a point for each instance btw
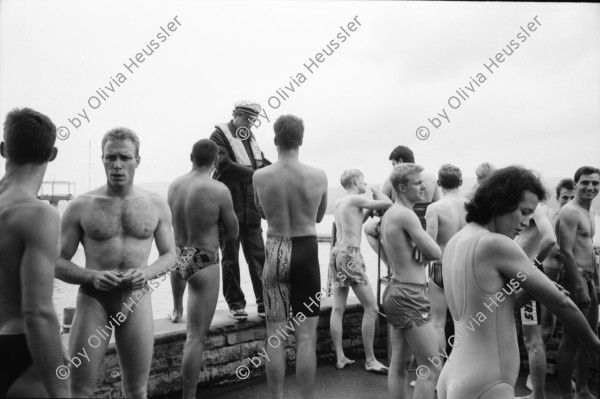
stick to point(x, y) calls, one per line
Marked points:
point(565, 192)
point(483, 268)
point(293, 196)
point(405, 300)
point(30, 347)
point(575, 230)
point(116, 224)
point(198, 203)
point(401, 154)
point(347, 267)
point(444, 219)
point(536, 240)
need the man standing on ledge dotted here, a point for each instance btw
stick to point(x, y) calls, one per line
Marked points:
point(292, 197)
point(239, 157)
point(116, 225)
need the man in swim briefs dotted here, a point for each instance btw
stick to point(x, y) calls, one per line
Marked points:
point(399, 155)
point(575, 229)
point(444, 219)
point(405, 300)
point(31, 355)
point(198, 204)
point(483, 268)
point(536, 240)
point(347, 266)
point(291, 196)
point(116, 225)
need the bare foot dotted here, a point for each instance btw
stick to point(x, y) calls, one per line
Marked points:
point(375, 367)
point(343, 363)
point(175, 316)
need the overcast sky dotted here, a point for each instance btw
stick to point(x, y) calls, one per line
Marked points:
point(399, 68)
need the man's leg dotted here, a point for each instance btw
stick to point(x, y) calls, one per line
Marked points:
point(532, 337)
point(231, 273)
point(306, 356)
point(364, 293)
point(340, 294)
point(178, 288)
point(275, 361)
point(439, 308)
point(254, 252)
point(89, 316)
point(202, 302)
point(422, 341)
point(585, 358)
point(399, 364)
point(135, 345)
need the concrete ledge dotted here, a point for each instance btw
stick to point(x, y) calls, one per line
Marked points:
point(229, 345)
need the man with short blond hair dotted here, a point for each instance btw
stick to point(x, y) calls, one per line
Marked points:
point(347, 266)
point(116, 225)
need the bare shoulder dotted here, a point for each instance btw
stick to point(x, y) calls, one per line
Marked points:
point(36, 214)
point(316, 173)
point(568, 212)
point(497, 246)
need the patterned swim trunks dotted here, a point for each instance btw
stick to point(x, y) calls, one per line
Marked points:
point(346, 267)
point(190, 260)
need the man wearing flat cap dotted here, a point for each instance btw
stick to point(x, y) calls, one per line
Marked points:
point(239, 157)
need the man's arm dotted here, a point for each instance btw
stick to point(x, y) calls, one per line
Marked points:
point(508, 258)
point(227, 214)
point(70, 236)
point(261, 212)
point(37, 282)
point(567, 235)
point(431, 219)
point(227, 167)
point(165, 243)
point(422, 240)
point(323, 204)
point(544, 227)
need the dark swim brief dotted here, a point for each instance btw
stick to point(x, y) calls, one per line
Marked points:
point(346, 267)
point(15, 360)
point(406, 304)
point(435, 273)
point(190, 260)
point(581, 298)
point(291, 277)
point(116, 300)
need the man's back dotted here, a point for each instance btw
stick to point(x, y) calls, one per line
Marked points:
point(291, 195)
point(19, 214)
point(451, 214)
point(196, 204)
point(348, 220)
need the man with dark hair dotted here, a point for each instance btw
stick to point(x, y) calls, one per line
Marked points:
point(483, 268)
point(347, 266)
point(239, 158)
point(116, 225)
point(575, 230)
point(31, 353)
point(399, 155)
point(565, 192)
point(406, 300)
point(199, 204)
point(291, 196)
point(444, 219)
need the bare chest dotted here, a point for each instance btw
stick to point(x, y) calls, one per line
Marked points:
point(107, 218)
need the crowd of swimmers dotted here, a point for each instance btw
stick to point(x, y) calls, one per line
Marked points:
point(491, 259)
